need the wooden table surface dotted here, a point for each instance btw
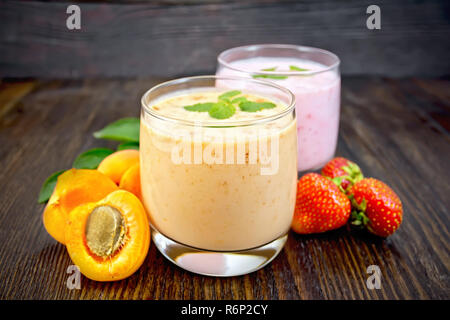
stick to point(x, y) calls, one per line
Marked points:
point(396, 130)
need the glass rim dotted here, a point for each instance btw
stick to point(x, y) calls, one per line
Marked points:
point(217, 123)
point(221, 61)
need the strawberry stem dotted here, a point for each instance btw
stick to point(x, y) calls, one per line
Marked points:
point(354, 173)
point(359, 206)
point(359, 218)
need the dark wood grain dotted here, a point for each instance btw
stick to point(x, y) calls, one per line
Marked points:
point(397, 130)
point(171, 38)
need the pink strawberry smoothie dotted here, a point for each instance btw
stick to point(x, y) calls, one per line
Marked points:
point(317, 96)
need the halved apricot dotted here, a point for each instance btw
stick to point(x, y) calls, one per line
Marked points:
point(116, 164)
point(73, 187)
point(131, 181)
point(109, 240)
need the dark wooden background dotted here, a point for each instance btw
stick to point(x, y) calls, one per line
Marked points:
point(164, 38)
point(395, 123)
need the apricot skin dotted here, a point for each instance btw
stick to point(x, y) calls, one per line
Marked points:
point(131, 181)
point(126, 260)
point(116, 164)
point(73, 187)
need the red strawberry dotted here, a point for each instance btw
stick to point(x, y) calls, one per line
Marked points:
point(377, 206)
point(320, 205)
point(343, 172)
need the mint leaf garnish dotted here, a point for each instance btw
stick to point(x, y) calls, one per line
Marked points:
point(200, 107)
point(250, 106)
point(225, 107)
point(239, 99)
point(268, 76)
point(229, 94)
point(222, 110)
point(294, 68)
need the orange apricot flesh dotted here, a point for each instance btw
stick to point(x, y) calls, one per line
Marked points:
point(116, 164)
point(109, 239)
point(73, 187)
point(131, 181)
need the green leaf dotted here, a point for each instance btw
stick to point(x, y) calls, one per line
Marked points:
point(200, 107)
point(123, 130)
point(48, 187)
point(294, 68)
point(222, 110)
point(250, 106)
point(269, 69)
point(229, 94)
point(267, 76)
point(91, 159)
point(239, 99)
point(128, 145)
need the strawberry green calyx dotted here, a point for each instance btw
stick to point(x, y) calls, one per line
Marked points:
point(338, 182)
point(358, 217)
point(354, 173)
point(343, 172)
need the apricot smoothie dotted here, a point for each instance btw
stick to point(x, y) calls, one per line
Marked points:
point(218, 167)
point(313, 76)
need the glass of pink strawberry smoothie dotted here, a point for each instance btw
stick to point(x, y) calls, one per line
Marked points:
point(313, 76)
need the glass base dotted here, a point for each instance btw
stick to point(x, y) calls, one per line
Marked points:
point(220, 263)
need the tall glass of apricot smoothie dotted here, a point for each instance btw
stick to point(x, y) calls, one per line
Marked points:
point(218, 171)
point(313, 76)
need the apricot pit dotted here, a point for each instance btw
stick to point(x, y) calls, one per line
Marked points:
point(105, 231)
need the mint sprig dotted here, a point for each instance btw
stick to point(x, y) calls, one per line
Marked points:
point(200, 107)
point(229, 94)
point(295, 68)
point(269, 76)
point(250, 106)
point(239, 99)
point(226, 107)
point(270, 69)
point(222, 110)
point(277, 77)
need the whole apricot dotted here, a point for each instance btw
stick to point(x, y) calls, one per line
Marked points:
point(131, 181)
point(116, 164)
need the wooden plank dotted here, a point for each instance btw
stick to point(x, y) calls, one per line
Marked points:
point(10, 95)
point(162, 38)
point(387, 126)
